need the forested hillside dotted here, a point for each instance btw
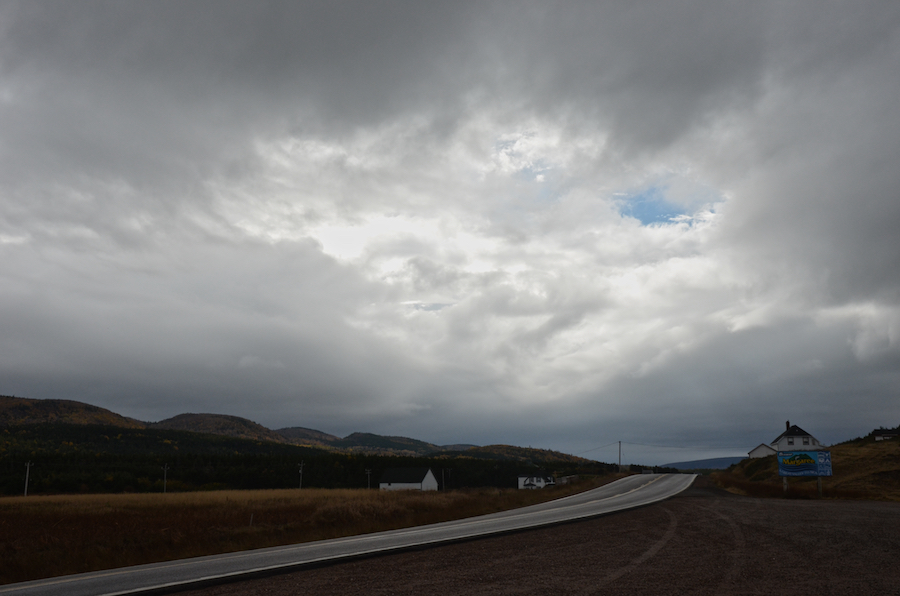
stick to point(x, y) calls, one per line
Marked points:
point(69, 458)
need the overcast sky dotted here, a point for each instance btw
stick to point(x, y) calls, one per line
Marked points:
point(557, 225)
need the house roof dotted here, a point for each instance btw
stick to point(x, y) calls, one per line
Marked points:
point(404, 475)
point(793, 431)
point(764, 446)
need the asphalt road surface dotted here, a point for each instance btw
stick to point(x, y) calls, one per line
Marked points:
point(627, 493)
point(702, 542)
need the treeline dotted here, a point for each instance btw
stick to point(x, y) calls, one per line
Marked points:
point(91, 438)
point(101, 459)
point(870, 436)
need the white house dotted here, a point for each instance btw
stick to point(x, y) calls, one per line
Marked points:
point(761, 450)
point(408, 479)
point(795, 438)
point(538, 479)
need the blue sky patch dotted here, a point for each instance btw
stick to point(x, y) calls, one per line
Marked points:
point(649, 206)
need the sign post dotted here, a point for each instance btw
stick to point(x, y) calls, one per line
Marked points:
point(804, 463)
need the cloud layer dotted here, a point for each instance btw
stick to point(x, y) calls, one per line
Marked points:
point(670, 225)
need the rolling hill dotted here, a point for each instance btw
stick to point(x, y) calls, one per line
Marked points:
point(15, 411)
point(528, 455)
point(307, 436)
point(20, 410)
point(220, 424)
point(372, 443)
point(366, 442)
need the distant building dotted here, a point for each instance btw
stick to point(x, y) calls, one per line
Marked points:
point(761, 450)
point(408, 479)
point(885, 434)
point(537, 479)
point(795, 438)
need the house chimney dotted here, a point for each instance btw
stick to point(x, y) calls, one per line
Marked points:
point(787, 425)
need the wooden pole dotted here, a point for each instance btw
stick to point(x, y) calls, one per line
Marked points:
point(27, 470)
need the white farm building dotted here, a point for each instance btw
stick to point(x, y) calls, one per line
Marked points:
point(408, 479)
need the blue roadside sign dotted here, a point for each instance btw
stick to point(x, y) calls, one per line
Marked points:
point(804, 463)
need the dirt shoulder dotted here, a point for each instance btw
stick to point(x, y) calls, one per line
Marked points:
point(704, 541)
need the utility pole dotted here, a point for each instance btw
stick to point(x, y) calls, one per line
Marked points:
point(27, 470)
point(620, 456)
point(300, 469)
point(368, 478)
point(165, 476)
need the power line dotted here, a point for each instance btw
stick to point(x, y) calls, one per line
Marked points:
point(653, 447)
point(596, 448)
point(694, 448)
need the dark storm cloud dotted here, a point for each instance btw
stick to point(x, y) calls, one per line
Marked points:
point(154, 98)
point(386, 216)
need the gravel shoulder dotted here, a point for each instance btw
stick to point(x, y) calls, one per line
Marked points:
point(704, 541)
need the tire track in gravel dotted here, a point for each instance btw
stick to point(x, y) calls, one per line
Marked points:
point(648, 554)
point(737, 554)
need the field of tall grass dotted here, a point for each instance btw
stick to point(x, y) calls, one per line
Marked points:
point(47, 536)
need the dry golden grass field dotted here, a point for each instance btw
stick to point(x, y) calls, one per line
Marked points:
point(46, 536)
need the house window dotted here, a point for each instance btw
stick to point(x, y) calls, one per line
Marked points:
point(790, 440)
point(806, 440)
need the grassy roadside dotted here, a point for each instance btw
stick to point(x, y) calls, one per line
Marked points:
point(863, 469)
point(48, 536)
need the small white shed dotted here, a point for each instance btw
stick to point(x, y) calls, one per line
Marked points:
point(408, 479)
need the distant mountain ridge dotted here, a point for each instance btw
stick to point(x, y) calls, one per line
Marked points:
point(715, 463)
point(24, 411)
point(21, 411)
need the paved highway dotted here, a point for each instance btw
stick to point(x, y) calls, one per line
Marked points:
point(627, 493)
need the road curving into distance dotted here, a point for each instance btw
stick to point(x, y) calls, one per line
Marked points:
point(627, 493)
